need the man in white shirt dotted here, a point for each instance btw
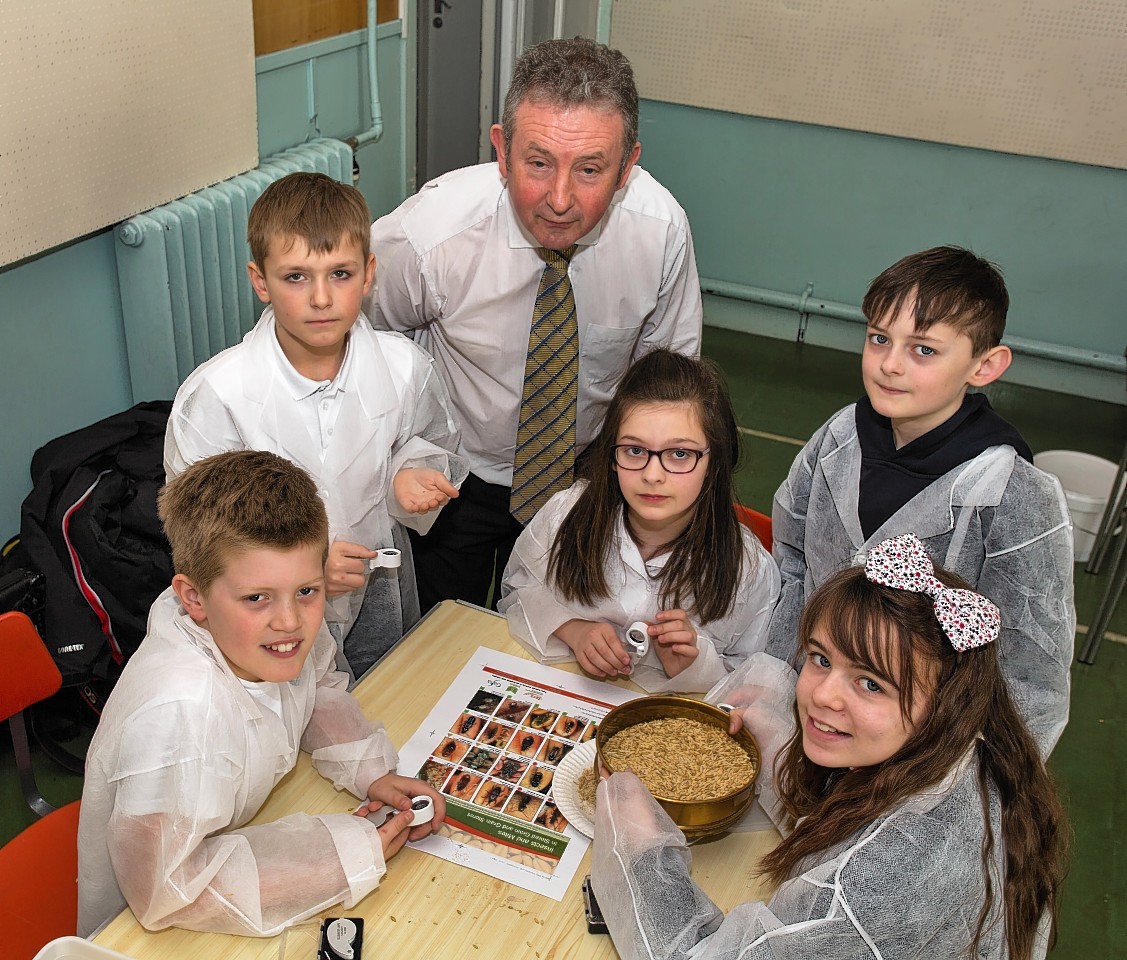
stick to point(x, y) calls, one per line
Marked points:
point(461, 263)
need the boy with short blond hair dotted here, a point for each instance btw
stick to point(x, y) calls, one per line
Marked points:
point(313, 207)
point(364, 412)
point(234, 674)
point(919, 454)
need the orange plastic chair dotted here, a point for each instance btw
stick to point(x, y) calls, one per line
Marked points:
point(758, 523)
point(29, 675)
point(39, 867)
point(39, 884)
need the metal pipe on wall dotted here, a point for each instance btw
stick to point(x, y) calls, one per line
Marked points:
point(510, 43)
point(602, 16)
point(806, 305)
point(375, 107)
point(311, 97)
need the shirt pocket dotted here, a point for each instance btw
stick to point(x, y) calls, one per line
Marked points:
point(605, 352)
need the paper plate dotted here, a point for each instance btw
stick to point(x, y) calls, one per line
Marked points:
point(565, 788)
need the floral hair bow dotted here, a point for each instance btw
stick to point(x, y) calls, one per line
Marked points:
point(968, 618)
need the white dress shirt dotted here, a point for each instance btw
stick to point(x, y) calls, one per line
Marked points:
point(455, 264)
point(317, 403)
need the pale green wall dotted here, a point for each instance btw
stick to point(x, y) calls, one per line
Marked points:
point(63, 356)
point(341, 98)
point(64, 363)
point(776, 204)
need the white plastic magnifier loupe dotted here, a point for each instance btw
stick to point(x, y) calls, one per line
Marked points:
point(391, 559)
point(638, 638)
point(422, 811)
point(340, 936)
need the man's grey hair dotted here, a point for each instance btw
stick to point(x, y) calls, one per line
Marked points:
point(571, 73)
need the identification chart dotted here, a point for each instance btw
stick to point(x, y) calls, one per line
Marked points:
point(491, 745)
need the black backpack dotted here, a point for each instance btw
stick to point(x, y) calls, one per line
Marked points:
point(90, 528)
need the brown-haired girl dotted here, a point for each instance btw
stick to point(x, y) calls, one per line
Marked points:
point(918, 818)
point(649, 537)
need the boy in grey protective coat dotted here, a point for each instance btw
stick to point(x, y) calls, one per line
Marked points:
point(918, 454)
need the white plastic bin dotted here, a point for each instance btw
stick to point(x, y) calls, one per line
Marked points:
point(1087, 482)
point(75, 948)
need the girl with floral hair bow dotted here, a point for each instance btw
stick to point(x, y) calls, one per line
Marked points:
point(918, 819)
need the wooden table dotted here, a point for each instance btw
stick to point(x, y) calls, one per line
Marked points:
point(427, 907)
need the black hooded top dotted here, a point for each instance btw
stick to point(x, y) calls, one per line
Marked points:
point(891, 477)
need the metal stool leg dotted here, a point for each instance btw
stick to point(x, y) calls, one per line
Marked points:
point(1117, 579)
point(1113, 513)
point(22, 751)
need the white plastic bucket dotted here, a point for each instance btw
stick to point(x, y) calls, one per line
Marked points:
point(75, 948)
point(1087, 482)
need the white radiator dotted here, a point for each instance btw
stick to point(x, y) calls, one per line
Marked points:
point(181, 268)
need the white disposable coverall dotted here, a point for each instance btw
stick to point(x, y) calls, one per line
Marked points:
point(184, 756)
point(997, 521)
point(907, 887)
point(534, 609)
point(395, 414)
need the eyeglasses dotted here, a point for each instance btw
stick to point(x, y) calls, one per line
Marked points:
point(629, 456)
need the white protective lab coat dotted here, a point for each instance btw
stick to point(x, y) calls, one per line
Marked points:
point(534, 609)
point(184, 756)
point(907, 887)
point(997, 521)
point(395, 414)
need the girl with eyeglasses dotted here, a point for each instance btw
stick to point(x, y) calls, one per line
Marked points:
point(649, 536)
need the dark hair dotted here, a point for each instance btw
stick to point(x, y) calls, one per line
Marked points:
point(947, 285)
point(311, 207)
point(706, 559)
point(235, 501)
point(895, 634)
point(571, 73)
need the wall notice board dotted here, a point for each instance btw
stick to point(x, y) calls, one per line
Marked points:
point(110, 107)
point(1040, 77)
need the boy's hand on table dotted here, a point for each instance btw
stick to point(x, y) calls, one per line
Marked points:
point(346, 568)
point(674, 640)
point(421, 489)
point(397, 791)
point(597, 647)
point(394, 833)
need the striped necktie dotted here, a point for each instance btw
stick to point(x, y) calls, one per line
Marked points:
point(545, 452)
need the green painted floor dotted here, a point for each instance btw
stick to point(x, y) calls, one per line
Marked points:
point(783, 392)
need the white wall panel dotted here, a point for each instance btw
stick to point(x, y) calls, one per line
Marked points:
point(110, 107)
point(1040, 77)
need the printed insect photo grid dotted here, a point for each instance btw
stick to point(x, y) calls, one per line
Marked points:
point(470, 765)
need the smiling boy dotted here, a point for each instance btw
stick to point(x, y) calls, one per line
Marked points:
point(364, 412)
point(234, 675)
point(920, 454)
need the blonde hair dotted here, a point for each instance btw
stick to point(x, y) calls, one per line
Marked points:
point(236, 501)
point(310, 207)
